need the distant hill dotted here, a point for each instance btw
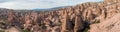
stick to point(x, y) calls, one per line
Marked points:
point(55, 8)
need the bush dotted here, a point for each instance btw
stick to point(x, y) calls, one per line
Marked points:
point(25, 31)
point(2, 31)
point(86, 30)
point(96, 21)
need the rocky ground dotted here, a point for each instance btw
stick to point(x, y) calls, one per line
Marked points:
point(86, 17)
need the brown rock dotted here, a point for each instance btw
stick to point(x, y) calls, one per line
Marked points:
point(13, 29)
point(78, 24)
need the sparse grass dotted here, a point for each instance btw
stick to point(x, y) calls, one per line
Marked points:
point(86, 30)
point(2, 31)
point(59, 24)
point(96, 21)
point(43, 26)
point(86, 27)
point(25, 31)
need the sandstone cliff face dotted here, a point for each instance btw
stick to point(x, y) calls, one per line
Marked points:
point(86, 17)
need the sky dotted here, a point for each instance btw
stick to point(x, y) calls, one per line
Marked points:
point(41, 4)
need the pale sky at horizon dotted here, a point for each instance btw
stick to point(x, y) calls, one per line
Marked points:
point(41, 4)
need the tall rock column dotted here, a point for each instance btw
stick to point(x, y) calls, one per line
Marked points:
point(78, 24)
point(27, 21)
point(64, 22)
point(11, 16)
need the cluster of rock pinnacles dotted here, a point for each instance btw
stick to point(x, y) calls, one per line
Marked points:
point(69, 19)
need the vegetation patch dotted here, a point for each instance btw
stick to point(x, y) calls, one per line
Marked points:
point(96, 21)
point(86, 30)
point(2, 31)
point(25, 31)
point(86, 27)
point(59, 24)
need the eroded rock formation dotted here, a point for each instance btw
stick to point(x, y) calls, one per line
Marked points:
point(89, 17)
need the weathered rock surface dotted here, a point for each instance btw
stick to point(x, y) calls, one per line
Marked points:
point(13, 29)
point(89, 17)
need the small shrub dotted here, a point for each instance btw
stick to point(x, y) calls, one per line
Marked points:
point(59, 24)
point(96, 21)
point(2, 31)
point(25, 31)
point(86, 30)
